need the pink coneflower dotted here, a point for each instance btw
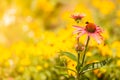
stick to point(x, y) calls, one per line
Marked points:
point(77, 16)
point(91, 30)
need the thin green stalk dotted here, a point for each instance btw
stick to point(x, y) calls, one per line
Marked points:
point(83, 59)
point(78, 60)
point(78, 64)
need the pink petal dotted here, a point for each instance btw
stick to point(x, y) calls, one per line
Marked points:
point(97, 37)
point(80, 34)
point(76, 31)
point(98, 29)
point(78, 27)
point(100, 36)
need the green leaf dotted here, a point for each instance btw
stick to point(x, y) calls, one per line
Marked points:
point(65, 68)
point(94, 65)
point(70, 55)
point(83, 77)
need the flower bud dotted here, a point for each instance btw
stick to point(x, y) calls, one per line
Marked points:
point(79, 47)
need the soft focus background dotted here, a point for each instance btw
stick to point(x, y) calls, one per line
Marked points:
point(32, 32)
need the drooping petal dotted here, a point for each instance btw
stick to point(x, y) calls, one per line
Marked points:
point(100, 36)
point(77, 31)
point(97, 37)
point(80, 34)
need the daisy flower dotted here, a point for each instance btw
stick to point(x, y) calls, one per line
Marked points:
point(91, 29)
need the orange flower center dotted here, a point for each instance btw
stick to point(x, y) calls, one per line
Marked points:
point(90, 27)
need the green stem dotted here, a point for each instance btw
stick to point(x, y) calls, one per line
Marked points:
point(83, 59)
point(78, 64)
point(78, 61)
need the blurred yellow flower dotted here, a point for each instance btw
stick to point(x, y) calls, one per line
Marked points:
point(105, 50)
point(117, 21)
point(116, 48)
point(118, 13)
point(72, 65)
point(21, 69)
point(89, 54)
point(25, 62)
point(46, 65)
point(104, 6)
point(39, 67)
point(81, 8)
point(103, 70)
point(5, 54)
point(45, 5)
point(118, 63)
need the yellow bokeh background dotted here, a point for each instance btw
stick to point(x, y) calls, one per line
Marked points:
point(32, 32)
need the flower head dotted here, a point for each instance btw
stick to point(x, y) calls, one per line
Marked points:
point(77, 16)
point(90, 29)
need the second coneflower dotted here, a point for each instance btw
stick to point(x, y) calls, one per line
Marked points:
point(91, 29)
point(77, 17)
